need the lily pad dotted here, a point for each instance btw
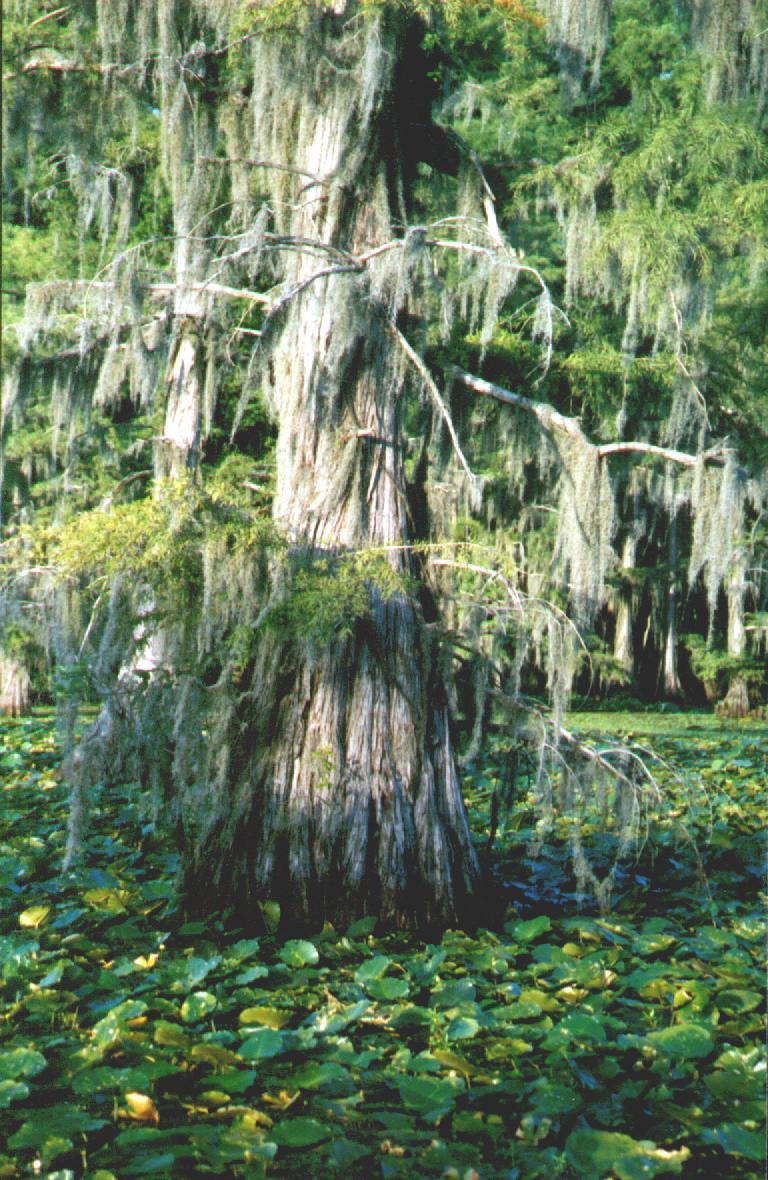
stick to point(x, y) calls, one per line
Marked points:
point(738, 1000)
point(269, 1017)
point(428, 1096)
point(299, 953)
point(594, 1154)
point(321, 1075)
point(171, 1035)
point(270, 915)
point(454, 994)
point(736, 1140)
point(531, 930)
point(373, 968)
point(11, 1091)
point(299, 1132)
point(21, 1063)
point(251, 974)
point(60, 1122)
point(388, 989)
point(217, 1055)
point(576, 1026)
point(344, 1153)
point(690, 1041)
point(267, 1042)
point(34, 917)
point(197, 1006)
point(462, 1028)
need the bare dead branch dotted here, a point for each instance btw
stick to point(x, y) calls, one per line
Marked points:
point(210, 288)
point(547, 415)
point(297, 289)
point(220, 289)
point(520, 599)
point(49, 16)
point(434, 393)
point(54, 62)
point(715, 455)
point(109, 499)
point(264, 164)
point(552, 419)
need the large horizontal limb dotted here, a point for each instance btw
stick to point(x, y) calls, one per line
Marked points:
point(210, 288)
point(346, 262)
point(552, 419)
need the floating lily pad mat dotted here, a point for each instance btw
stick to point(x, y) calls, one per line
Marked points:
point(561, 1043)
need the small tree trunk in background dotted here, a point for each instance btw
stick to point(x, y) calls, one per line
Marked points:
point(178, 450)
point(479, 674)
point(14, 687)
point(104, 749)
point(736, 702)
point(623, 643)
point(672, 686)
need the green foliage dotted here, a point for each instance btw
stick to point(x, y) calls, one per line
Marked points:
point(556, 1044)
point(159, 541)
point(127, 539)
point(17, 640)
point(600, 1153)
point(31, 255)
point(602, 666)
point(715, 667)
point(461, 16)
point(328, 596)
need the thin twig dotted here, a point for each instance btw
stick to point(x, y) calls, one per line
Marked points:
point(263, 164)
point(434, 392)
point(106, 503)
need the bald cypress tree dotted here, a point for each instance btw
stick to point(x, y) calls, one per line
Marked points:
point(323, 772)
point(252, 468)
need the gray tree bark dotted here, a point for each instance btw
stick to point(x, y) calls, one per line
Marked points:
point(736, 702)
point(671, 676)
point(350, 802)
point(14, 687)
point(623, 643)
point(105, 750)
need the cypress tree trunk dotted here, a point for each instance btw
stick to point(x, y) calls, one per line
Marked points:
point(105, 750)
point(671, 676)
point(623, 643)
point(14, 687)
point(349, 802)
point(736, 702)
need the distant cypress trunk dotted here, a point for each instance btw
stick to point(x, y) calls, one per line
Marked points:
point(736, 702)
point(671, 676)
point(14, 687)
point(350, 803)
point(623, 643)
